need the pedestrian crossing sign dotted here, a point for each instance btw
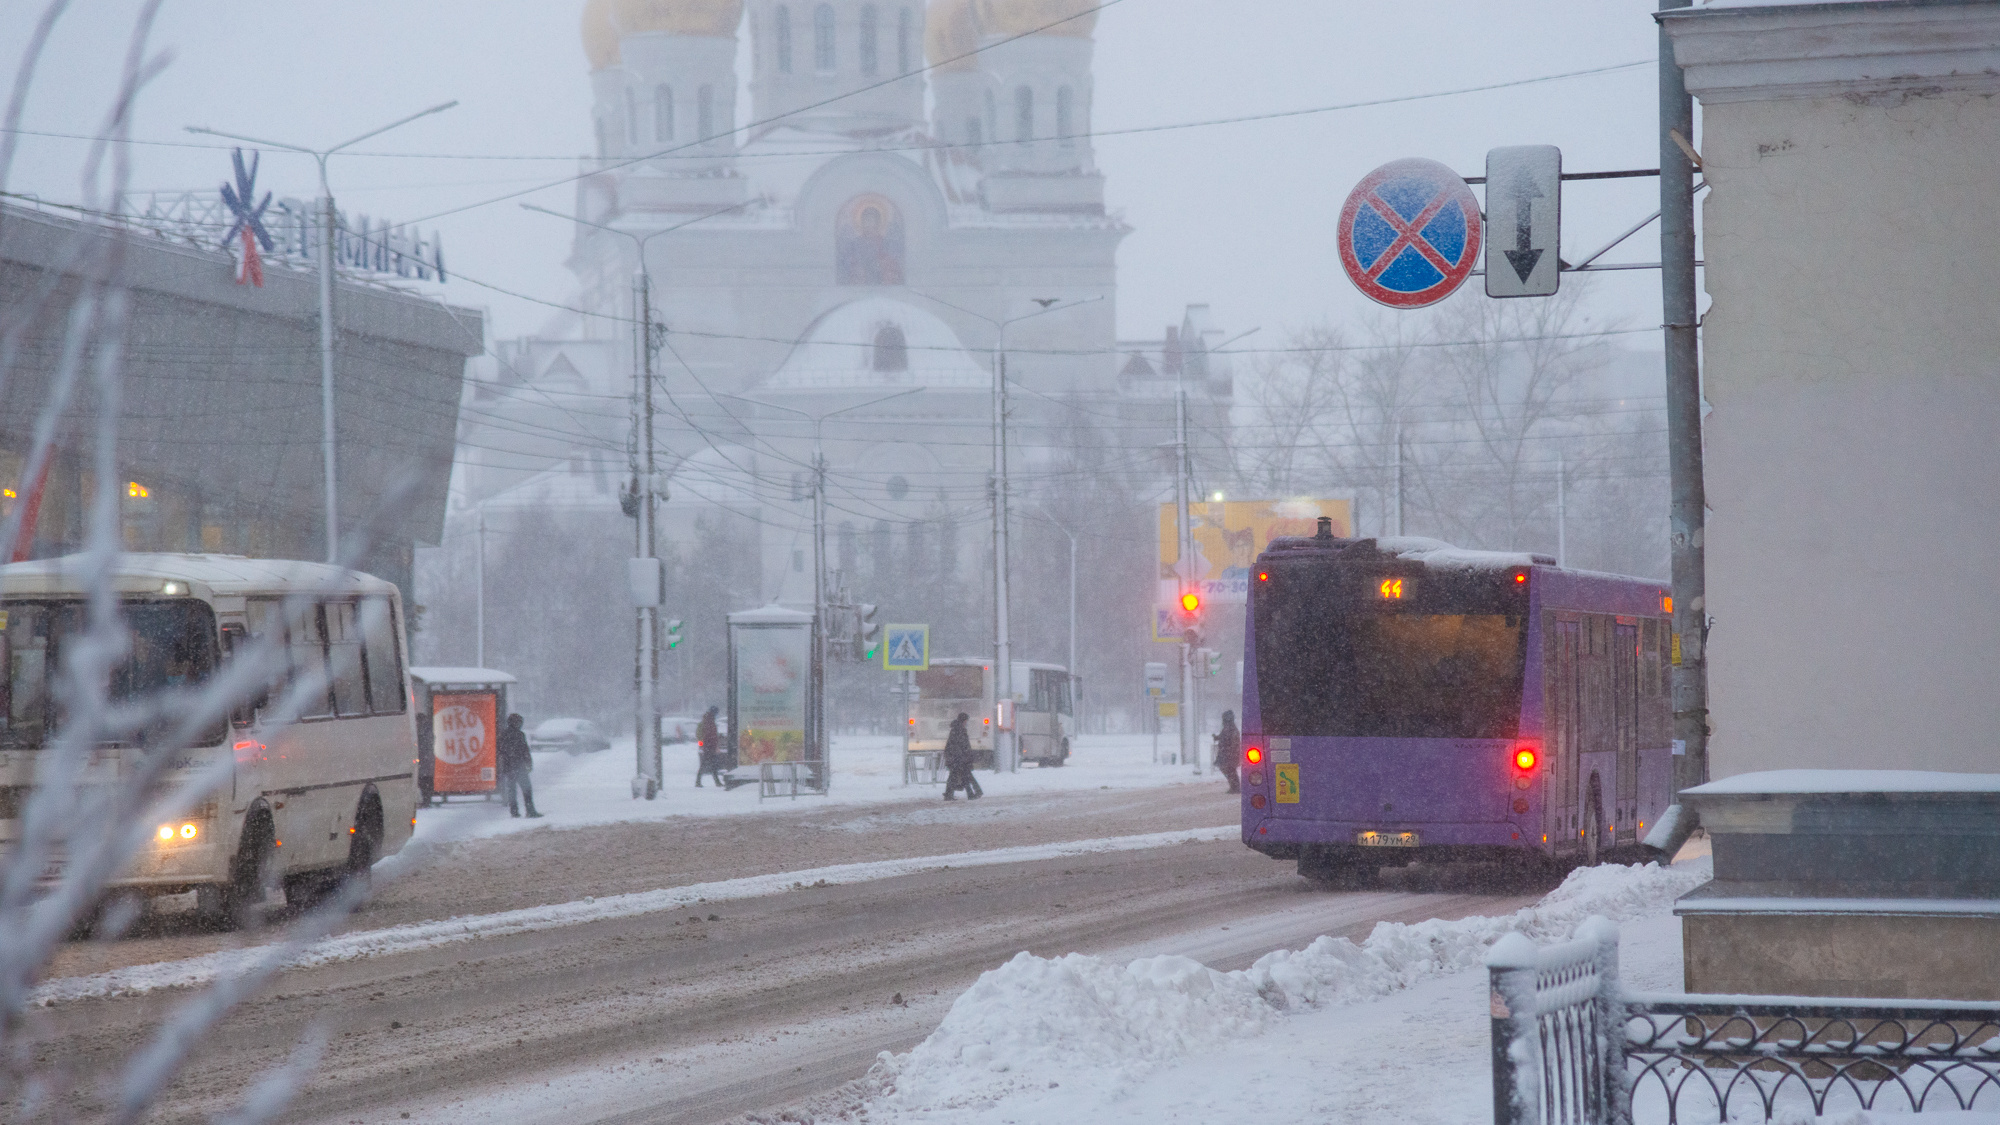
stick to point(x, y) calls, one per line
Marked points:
point(908, 648)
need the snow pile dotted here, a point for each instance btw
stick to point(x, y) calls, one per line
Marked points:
point(1034, 1023)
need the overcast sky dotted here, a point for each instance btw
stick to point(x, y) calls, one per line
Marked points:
point(1240, 216)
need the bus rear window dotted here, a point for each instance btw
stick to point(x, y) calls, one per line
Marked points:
point(1390, 675)
point(960, 682)
point(173, 647)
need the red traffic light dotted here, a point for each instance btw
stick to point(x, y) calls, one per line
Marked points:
point(1191, 602)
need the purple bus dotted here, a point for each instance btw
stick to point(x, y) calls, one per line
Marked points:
point(1404, 699)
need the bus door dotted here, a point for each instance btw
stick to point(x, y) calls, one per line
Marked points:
point(1625, 688)
point(1563, 704)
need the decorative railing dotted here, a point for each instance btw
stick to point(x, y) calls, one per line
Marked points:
point(1571, 1047)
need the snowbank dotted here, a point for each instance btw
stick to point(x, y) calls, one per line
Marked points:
point(1035, 1024)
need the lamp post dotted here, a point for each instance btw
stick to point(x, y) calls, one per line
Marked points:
point(328, 222)
point(1003, 659)
point(818, 705)
point(646, 722)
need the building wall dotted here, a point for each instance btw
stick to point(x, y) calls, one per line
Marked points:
point(1853, 365)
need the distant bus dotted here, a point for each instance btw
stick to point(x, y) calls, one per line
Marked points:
point(1406, 699)
point(308, 802)
point(1044, 712)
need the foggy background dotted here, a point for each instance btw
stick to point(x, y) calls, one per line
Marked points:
point(1238, 215)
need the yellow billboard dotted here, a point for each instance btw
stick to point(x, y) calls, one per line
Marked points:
point(1228, 535)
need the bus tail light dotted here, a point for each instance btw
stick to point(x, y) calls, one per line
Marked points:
point(1525, 758)
point(1253, 755)
point(1256, 800)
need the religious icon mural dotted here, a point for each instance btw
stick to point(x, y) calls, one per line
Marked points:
point(869, 242)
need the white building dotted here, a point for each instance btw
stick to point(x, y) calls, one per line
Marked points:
point(1853, 363)
point(862, 228)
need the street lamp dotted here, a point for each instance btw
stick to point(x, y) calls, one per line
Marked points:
point(1003, 677)
point(645, 725)
point(819, 556)
point(327, 224)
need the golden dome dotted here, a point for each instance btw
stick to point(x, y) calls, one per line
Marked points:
point(951, 31)
point(1020, 17)
point(605, 22)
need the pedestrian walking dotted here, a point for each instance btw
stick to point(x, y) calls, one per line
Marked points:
point(707, 740)
point(1228, 748)
point(958, 760)
point(516, 762)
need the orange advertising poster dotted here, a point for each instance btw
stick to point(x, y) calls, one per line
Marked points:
point(462, 736)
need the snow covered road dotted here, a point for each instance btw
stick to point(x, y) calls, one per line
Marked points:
point(698, 1014)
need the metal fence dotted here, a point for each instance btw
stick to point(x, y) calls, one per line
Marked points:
point(1571, 1047)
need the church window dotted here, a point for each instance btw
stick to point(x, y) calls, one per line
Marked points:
point(1066, 117)
point(704, 107)
point(903, 28)
point(1024, 114)
point(823, 38)
point(663, 113)
point(781, 22)
point(869, 61)
point(631, 116)
point(892, 349)
point(868, 242)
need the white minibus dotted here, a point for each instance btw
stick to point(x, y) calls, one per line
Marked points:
point(310, 798)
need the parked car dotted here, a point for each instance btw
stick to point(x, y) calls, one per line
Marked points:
point(576, 736)
point(680, 728)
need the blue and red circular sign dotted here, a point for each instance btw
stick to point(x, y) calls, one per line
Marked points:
point(1409, 234)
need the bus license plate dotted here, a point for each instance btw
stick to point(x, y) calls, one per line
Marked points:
point(1386, 839)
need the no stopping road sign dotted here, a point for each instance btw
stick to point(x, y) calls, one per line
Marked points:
point(1409, 233)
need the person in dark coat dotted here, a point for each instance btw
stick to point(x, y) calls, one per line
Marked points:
point(707, 740)
point(516, 762)
point(958, 760)
point(1228, 749)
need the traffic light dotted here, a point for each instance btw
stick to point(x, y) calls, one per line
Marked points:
point(1214, 662)
point(1191, 604)
point(673, 634)
point(867, 633)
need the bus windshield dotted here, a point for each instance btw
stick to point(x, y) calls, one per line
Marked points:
point(952, 682)
point(1342, 671)
point(173, 646)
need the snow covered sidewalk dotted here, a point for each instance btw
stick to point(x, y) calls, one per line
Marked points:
point(594, 789)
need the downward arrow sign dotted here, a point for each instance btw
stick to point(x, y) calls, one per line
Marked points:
point(1521, 258)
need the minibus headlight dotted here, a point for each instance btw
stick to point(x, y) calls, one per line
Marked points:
point(166, 833)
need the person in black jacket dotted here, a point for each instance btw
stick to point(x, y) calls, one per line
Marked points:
point(958, 760)
point(1228, 745)
point(515, 764)
point(708, 741)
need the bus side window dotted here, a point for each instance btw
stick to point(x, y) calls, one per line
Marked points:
point(308, 653)
point(343, 647)
point(234, 637)
point(385, 670)
point(266, 636)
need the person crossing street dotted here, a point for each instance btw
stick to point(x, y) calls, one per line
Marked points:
point(708, 741)
point(958, 760)
point(1228, 748)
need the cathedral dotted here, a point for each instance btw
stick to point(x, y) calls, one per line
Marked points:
point(909, 199)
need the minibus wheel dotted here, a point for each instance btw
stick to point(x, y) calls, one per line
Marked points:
point(254, 877)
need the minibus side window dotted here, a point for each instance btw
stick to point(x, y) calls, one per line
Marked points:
point(385, 668)
point(308, 653)
point(343, 646)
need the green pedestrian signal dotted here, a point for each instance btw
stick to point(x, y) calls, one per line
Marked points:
point(673, 634)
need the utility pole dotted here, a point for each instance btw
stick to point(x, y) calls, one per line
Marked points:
point(479, 599)
point(328, 239)
point(1398, 506)
point(1185, 536)
point(1562, 514)
point(651, 773)
point(1689, 676)
point(997, 487)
